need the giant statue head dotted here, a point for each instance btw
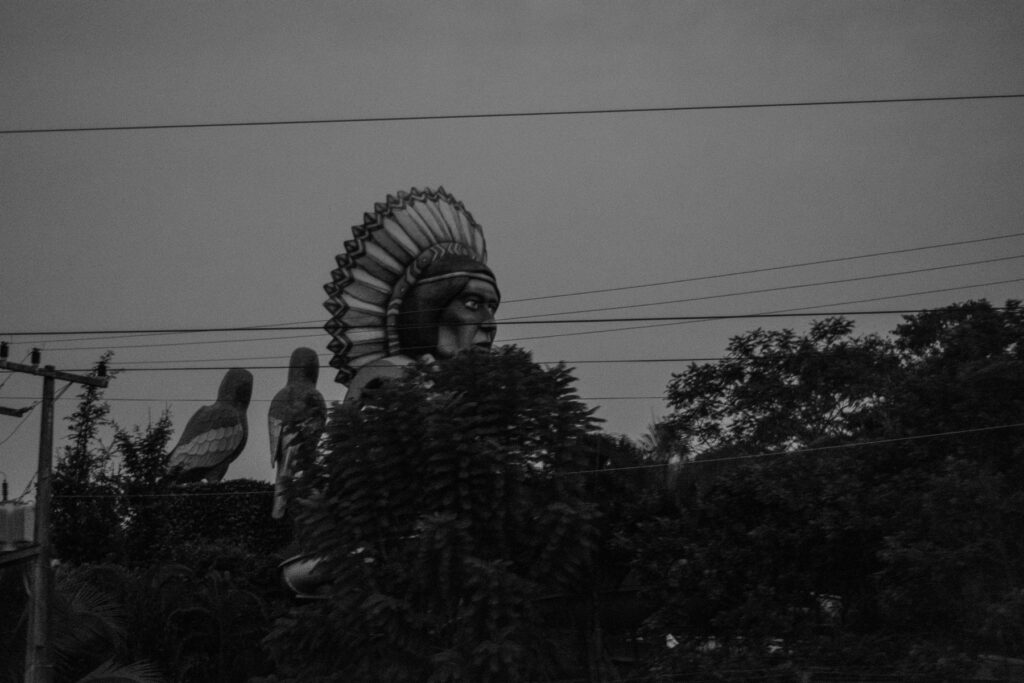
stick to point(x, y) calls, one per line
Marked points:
point(413, 281)
point(450, 310)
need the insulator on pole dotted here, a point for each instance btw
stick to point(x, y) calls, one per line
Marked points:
point(35, 356)
point(5, 350)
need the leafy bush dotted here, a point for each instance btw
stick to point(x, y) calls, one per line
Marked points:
point(443, 508)
point(891, 537)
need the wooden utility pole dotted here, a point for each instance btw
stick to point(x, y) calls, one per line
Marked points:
point(38, 652)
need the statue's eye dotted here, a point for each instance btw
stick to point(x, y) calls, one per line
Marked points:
point(472, 304)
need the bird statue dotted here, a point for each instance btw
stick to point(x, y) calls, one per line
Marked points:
point(295, 420)
point(215, 435)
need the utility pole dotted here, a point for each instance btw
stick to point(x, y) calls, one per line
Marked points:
point(39, 652)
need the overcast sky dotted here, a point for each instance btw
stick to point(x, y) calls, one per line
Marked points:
point(229, 226)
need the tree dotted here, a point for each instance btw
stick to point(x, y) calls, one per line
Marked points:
point(95, 517)
point(89, 633)
point(86, 527)
point(443, 509)
point(143, 452)
point(191, 579)
point(891, 533)
point(778, 389)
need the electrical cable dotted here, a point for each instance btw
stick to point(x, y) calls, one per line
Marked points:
point(508, 115)
point(695, 318)
point(269, 327)
point(631, 468)
point(24, 417)
point(791, 310)
point(285, 366)
point(191, 343)
point(767, 269)
point(676, 320)
point(190, 494)
point(764, 290)
point(317, 325)
point(28, 487)
point(531, 319)
point(320, 329)
point(23, 420)
point(154, 399)
point(707, 319)
point(571, 321)
point(803, 451)
point(11, 374)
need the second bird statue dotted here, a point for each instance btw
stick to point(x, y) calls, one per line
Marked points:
point(295, 420)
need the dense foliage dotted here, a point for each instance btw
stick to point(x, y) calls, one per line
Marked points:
point(444, 509)
point(82, 530)
point(890, 535)
point(114, 503)
point(154, 581)
point(834, 500)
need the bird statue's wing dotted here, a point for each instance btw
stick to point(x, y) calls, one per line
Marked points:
point(295, 420)
point(214, 434)
point(279, 414)
point(287, 449)
point(275, 426)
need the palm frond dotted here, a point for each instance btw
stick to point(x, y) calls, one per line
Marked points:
point(135, 672)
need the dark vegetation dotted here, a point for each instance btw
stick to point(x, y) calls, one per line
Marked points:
point(890, 538)
point(815, 501)
point(446, 508)
point(156, 582)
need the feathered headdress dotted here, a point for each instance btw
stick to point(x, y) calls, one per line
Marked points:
point(383, 261)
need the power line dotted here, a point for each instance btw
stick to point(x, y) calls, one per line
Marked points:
point(236, 361)
point(532, 319)
point(269, 327)
point(318, 325)
point(22, 421)
point(671, 320)
point(791, 310)
point(769, 269)
point(168, 330)
point(805, 311)
point(617, 470)
point(28, 487)
point(699, 318)
point(764, 290)
point(803, 451)
point(11, 374)
point(189, 494)
point(505, 321)
point(509, 115)
point(208, 399)
point(24, 418)
point(191, 343)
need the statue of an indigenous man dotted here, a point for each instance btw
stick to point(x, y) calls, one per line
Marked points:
point(412, 285)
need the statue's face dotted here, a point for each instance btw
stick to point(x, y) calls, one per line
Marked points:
point(467, 322)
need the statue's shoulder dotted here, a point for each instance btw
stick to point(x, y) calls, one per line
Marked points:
point(373, 375)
